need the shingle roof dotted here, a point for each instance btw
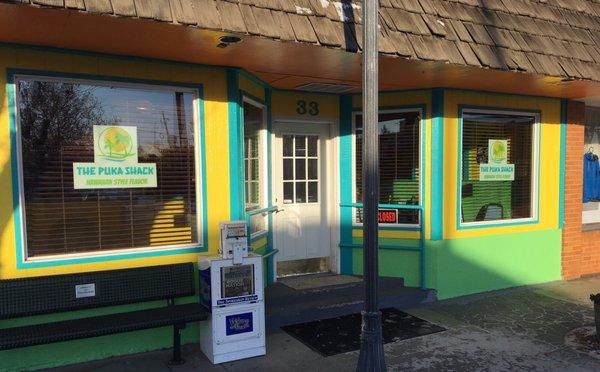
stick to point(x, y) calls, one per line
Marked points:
point(547, 37)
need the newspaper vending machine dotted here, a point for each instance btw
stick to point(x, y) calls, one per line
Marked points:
point(231, 288)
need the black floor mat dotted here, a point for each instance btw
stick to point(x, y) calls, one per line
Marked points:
point(342, 334)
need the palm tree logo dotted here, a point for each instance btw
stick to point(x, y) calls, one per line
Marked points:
point(498, 152)
point(115, 144)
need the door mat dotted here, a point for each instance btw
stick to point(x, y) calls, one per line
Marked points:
point(342, 334)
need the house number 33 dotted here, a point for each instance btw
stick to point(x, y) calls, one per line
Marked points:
point(311, 108)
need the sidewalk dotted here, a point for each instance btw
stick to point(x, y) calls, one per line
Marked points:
point(517, 329)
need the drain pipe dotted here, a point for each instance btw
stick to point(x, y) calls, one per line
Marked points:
point(371, 349)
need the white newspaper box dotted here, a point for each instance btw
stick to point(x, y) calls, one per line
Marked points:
point(233, 292)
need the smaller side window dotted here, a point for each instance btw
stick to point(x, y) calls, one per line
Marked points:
point(399, 165)
point(591, 169)
point(254, 164)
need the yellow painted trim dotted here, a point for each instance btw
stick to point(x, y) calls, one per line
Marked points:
point(548, 154)
point(249, 86)
point(216, 146)
point(391, 234)
point(259, 243)
point(285, 103)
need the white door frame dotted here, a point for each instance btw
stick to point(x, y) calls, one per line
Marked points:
point(333, 184)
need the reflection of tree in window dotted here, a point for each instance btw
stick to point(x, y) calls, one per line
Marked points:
point(51, 116)
point(399, 165)
point(56, 120)
point(496, 200)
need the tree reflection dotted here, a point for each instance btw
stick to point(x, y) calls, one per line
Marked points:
point(53, 115)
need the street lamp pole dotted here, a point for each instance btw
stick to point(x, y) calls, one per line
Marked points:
point(371, 357)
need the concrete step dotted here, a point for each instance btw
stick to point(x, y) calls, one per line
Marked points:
point(286, 306)
point(279, 294)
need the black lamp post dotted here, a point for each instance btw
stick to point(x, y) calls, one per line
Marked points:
point(371, 357)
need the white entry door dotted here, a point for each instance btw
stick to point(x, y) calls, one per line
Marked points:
point(300, 190)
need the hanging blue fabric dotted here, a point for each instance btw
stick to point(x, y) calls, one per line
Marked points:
point(591, 177)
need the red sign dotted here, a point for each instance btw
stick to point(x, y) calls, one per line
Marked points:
point(388, 216)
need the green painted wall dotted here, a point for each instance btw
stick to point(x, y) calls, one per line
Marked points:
point(392, 262)
point(62, 353)
point(454, 268)
point(70, 352)
point(471, 265)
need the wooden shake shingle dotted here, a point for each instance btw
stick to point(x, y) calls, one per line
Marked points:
point(549, 37)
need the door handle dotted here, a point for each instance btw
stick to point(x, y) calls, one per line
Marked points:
point(279, 209)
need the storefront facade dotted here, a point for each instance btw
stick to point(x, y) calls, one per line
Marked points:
point(479, 186)
point(581, 252)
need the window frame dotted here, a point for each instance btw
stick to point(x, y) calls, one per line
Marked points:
point(390, 110)
point(120, 83)
point(262, 160)
point(591, 225)
point(535, 171)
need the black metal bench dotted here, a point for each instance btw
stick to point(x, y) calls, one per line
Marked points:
point(61, 293)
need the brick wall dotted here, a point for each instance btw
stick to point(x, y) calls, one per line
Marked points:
point(581, 249)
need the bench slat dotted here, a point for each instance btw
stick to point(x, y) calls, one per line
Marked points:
point(52, 294)
point(38, 334)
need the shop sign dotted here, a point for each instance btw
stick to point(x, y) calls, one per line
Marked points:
point(115, 162)
point(238, 323)
point(497, 168)
point(388, 216)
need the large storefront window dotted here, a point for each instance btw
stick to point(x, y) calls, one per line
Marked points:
point(591, 169)
point(107, 166)
point(498, 166)
point(399, 165)
point(254, 179)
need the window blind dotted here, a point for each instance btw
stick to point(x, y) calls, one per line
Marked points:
point(399, 166)
point(56, 121)
point(484, 200)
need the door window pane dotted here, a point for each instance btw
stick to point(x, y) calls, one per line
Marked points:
point(497, 166)
point(313, 169)
point(288, 146)
point(313, 193)
point(300, 192)
point(57, 121)
point(300, 169)
point(288, 169)
point(300, 145)
point(288, 192)
point(295, 168)
point(312, 145)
